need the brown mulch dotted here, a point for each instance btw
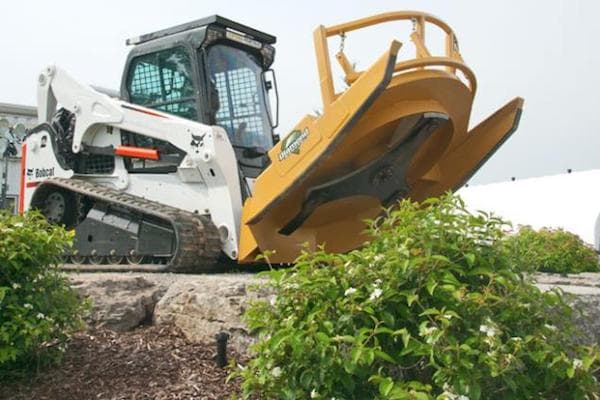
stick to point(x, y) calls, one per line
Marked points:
point(148, 363)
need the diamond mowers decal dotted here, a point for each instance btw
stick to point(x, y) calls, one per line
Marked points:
point(291, 143)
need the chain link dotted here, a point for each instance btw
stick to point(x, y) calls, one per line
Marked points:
point(342, 41)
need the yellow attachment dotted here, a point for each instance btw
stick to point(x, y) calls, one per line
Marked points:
point(398, 130)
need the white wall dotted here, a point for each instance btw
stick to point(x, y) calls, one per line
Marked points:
point(569, 201)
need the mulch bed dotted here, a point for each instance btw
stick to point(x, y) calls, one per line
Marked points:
point(148, 363)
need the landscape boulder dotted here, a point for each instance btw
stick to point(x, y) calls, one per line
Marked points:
point(209, 305)
point(119, 302)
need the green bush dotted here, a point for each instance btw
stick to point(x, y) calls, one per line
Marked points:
point(431, 308)
point(552, 250)
point(38, 309)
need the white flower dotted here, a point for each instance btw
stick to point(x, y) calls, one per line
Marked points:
point(375, 294)
point(488, 330)
point(377, 282)
point(28, 306)
point(40, 316)
point(314, 394)
point(449, 395)
point(291, 286)
point(427, 330)
point(276, 372)
point(378, 257)
point(16, 286)
point(350, 291)
point(577, 363)
point(428, 333)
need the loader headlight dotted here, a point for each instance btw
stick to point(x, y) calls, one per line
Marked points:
point(268, 54)
point(212, 35)
point(236, 37)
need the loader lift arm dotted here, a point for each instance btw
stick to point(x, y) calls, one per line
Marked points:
point(94, 109)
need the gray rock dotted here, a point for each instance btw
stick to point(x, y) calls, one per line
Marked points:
point(583, 290)
point(585, 279)
point(204, 305)
point(119, 302)
point(209, 305)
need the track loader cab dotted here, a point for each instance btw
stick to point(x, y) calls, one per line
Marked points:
point(214, 71)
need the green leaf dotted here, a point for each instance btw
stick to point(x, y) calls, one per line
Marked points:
point(411, 298)
point(419, 396)
point(481, 271)
point(439, 257)
point(470, 257)
point(587, 362)
point(345, 339)
point(431, 285)
point(474, 391)
point(449, 278)
point(356, 354)
point(384, 356)
point(306, 379)
point(386, 386)
point(404, 334)
point(368, 356)
point(384, 329)
point(322, 338)
point(388, 318)
point(430, 311)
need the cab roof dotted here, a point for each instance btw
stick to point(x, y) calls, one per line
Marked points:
point(215, 20)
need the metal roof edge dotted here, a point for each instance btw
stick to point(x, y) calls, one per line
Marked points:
point(18, 109)
point(213, 19)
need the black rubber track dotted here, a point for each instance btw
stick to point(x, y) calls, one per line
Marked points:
point(198, 243)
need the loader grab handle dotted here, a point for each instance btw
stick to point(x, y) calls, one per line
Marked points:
point(137, 152)
point(452, 59)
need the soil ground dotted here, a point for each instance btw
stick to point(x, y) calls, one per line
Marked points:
point(148, 363)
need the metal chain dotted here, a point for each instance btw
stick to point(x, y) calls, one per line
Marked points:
point(342, 41)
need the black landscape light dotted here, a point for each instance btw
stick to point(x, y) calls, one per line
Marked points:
point(222, 338)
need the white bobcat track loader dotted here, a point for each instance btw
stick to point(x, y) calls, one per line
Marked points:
point(80, 179)
point(187, 168)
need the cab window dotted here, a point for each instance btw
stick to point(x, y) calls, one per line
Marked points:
point(163, 81)
point(241, 110)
